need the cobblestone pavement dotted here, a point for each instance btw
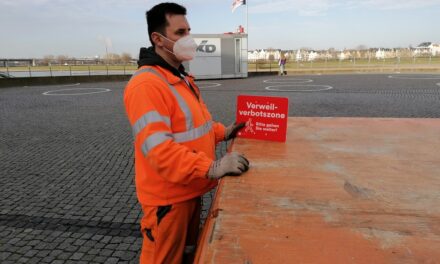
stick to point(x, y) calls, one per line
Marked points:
point(66, 171)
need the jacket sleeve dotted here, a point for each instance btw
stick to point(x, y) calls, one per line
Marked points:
point(220, 131)
point(149, 116)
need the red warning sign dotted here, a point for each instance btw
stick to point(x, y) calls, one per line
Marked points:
point(265, 117)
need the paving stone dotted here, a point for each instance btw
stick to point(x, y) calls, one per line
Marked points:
point(106, 252)
point(4, 255)
point(48, 259)
point(14, 257)
point(14, 241)
point(106, 239)
point(99, 245)
point(34, 260)
point(97, 237)
point(123, 246)
point(111, 246)
point(34, 243)
point(21, 243)
point(40, 246)
point(55, 252)
point(23, 260)
point(116, 240)
point(64, 256)
point(79, 242)
point(77, 256)
point(125, 255)
point(31, 253)
point(43, 253)
point(112, 260)
point(88, 258)
point(84, 249)
point(24, 249)
point(100, 259)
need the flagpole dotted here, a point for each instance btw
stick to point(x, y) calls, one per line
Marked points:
point(247, 31)
point(247, 19)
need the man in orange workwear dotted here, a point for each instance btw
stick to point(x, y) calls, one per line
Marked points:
point(174, 140)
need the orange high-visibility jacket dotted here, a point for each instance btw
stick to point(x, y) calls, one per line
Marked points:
point(174, 137)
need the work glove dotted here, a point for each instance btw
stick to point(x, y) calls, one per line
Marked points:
point(232, 130)
point(232, 164)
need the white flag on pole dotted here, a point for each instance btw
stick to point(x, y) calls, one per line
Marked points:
point(237, 3)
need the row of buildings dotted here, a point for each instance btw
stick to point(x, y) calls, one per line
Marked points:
point(424, 49)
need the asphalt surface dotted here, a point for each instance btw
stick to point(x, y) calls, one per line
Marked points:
point(67, 193)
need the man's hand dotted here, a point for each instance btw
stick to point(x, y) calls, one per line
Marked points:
point(232, 164)
point(232, 130)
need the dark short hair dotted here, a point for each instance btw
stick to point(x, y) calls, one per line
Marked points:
point(156, 17)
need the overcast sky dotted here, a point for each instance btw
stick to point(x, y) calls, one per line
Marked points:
point(84, 28)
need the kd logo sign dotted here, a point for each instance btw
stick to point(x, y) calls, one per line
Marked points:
point(208, 48)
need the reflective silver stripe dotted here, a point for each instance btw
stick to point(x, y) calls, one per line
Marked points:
point(160, 137)
point(154, 140)
point(193, 134)
point(182, 104)
point(148, 118)
point(139, 72)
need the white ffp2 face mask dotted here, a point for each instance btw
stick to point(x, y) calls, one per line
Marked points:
point(184, 48)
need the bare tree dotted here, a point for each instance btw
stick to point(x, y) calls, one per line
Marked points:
point(47, 60)
point(361, 47)
point(112, 58)
point(126, 58)
point(62, 59)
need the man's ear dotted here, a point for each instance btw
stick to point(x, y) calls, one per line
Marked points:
point(157, 39)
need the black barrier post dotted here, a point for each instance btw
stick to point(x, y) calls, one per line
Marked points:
point(107, 68)
point(29, 67)
point(50, 69)
point(89, 70)
point(7, 68)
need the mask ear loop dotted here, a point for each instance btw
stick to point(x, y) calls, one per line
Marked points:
point(166, 49)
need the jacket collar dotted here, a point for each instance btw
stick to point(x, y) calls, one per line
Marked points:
point(149, 57)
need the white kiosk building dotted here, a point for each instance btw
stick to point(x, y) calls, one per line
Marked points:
point(219, 56)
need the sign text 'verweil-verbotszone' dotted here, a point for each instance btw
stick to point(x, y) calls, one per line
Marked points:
point(265, 117)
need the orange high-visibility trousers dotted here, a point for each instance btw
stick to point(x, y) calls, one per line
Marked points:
point(170, 233)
